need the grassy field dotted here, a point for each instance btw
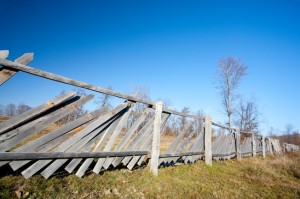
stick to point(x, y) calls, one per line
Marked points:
point(273, 177)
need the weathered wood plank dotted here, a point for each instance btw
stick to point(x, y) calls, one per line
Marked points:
point(58, 163)
point(8, 156)
point(73, 82)
point(253, 145)
point(147, 144)
point(6, 74)
point(128, 135)
point(112, 139)
point(4, 54)
point(53, 138)
point(263, 146)
point(207, 141)
point(156, 139)
point(182, 147)
point(175, 143)
point(47, 120)
point(75, 141)
point(20, 119)
point(135, 140)
point(238, 145)
point(99, 145)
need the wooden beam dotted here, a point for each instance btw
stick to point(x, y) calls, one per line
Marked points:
point(52, 139)
point(47, 120)
point(4, 54)
point(112, 139)
point(253, 145)
point(156, 139)
point(6, 74)
point(80, 84)
point(238, 145)
point(26, 116)
point(207, 141)
point(128, 135)
point(263, 146)
point(11, 156)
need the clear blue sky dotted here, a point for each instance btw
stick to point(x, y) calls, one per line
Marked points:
point(172, 47)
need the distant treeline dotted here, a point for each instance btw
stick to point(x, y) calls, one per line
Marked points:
point(12, 109)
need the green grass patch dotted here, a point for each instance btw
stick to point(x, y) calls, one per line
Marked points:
point(273, 177)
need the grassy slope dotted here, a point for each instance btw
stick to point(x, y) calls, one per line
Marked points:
point(273, 177)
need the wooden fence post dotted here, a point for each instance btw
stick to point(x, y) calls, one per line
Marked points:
point(270, 146)
point(253, 145)
point(263, 146)
point(156, 139)
point(238, 144)
point(207, 141)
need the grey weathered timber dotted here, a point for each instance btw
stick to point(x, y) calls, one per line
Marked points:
point(76, 141)
point(112, 139)
point(238, 145)
point(56, 136)
point(263, 146)
point(134, 141)
point(128, 135)
point(6, 74)
point(253, 145)
point(100, 143)
point(144, 137)
point(144, 144)
point(207, 141)
point(20, 119)
point(270, 146)
point(181, 147)
point(48, 119)
point(80, 84)
point(8, 156)
point(156, 139)
point(185, 144)
point(4, 54)
point(58, 163)
point(175, 143)
point(197, 146)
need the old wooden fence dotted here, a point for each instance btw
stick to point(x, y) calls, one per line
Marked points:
point(96, 141)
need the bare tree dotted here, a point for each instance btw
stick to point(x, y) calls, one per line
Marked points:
point(2, 109)
point(104, 100)
point(198, 122)
point(247, 116)
point(80, 111)
point(230, 71)
point(143, 93)
point(183, 121)
point(22, 107)
point(11, 110)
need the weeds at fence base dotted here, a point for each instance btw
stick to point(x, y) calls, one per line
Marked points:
point(273, 177)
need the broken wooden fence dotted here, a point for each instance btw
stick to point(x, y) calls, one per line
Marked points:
point(98, 141)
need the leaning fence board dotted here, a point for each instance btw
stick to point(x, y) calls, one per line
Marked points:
point(72, 141)
point(175, 143)
point(6, 74)
point(136, 139)
point(130, 132)
point(19, 119)
point(112, 139)
point(49, 119)
point(100, 143)
point(147, 143)
point(4, 54)
point(58, 163)
point(52, 136)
